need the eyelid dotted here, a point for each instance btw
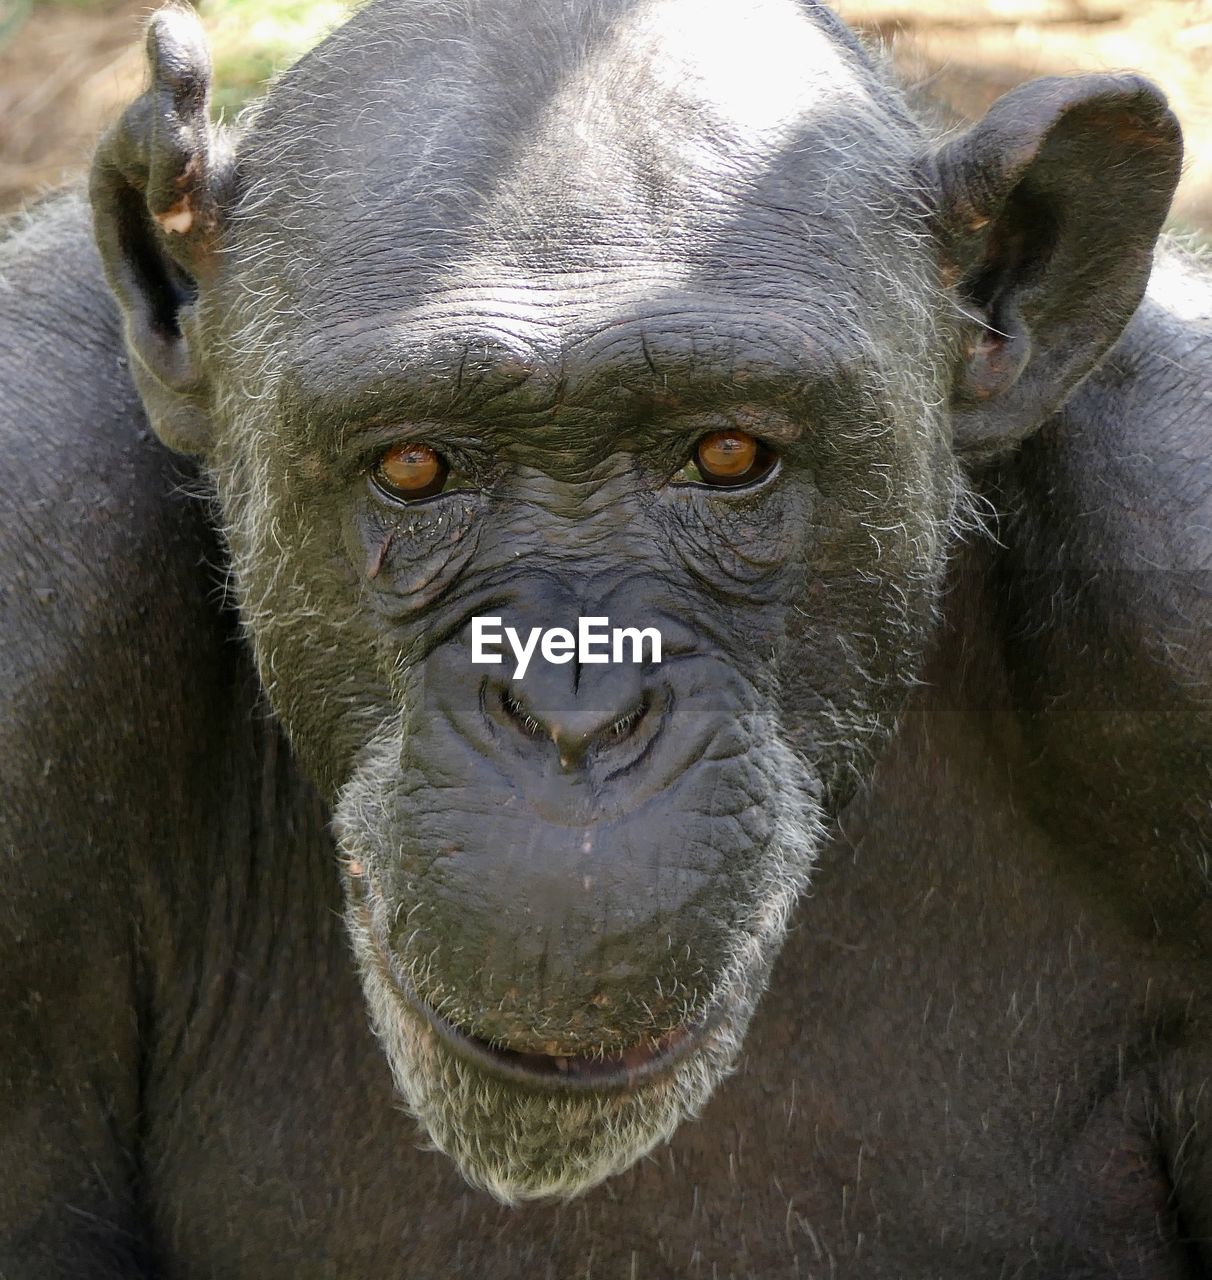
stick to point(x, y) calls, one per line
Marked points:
point(363, 443)
point(767, 425)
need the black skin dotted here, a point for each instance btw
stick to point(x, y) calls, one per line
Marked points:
point(986, 1046)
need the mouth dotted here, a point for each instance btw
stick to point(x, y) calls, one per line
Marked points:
point(619, 1071)
point(622, 1071)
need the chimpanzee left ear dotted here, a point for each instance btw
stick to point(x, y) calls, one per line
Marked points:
point(157, 188)
point(1050, 210)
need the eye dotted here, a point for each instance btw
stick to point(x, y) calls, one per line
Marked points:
point(729, 460)
point(410, 471)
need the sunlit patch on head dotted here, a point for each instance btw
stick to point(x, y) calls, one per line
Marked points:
point(749, 62)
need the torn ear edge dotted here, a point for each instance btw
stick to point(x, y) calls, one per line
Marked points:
point(1048, 215)
point(160, 179)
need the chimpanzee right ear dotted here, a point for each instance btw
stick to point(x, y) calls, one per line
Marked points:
point(157, 185)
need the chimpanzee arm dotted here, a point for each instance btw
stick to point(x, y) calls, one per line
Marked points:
point(1107, 592)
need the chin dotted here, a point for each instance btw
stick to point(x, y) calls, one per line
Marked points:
point(518, 1142)
point(525, 1126)
point(543, 1118)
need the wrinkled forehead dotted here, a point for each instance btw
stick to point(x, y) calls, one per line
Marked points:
point(558, 160)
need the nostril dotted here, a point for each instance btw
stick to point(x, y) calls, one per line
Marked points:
point(580, 736)
point(583, 726)
point(626, 725)
point(517, 714)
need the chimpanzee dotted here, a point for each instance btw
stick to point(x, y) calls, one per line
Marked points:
point(867, 932)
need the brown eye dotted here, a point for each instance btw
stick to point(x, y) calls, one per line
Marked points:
point(410, 471)
point(729, 459)
point(724, 455)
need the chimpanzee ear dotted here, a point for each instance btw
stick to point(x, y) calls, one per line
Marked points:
point(1050, 209)
point(157, 186)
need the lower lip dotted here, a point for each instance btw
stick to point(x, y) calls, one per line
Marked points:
point(610, 1073)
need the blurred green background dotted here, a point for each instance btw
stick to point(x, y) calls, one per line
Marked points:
point(252, 38)
point(68, 66)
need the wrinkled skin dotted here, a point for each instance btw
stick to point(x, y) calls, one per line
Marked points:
point(983, 1050)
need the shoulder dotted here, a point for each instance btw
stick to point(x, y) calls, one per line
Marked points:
point(96, 517)
point(115, 638)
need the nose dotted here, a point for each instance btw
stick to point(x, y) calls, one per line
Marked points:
point(590, 715)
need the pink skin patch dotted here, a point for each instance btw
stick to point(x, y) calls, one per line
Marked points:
point(177, 221)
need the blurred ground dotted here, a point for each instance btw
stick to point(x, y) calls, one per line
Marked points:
point(66, 66)
point(963, 55)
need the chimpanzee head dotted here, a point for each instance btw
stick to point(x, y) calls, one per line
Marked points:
point(663, 312)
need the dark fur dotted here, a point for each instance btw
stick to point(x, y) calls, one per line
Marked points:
point(986, 1047)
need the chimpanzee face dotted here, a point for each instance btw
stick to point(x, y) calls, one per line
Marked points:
point(654, 316)
point(651, 315)
point(649, 343)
